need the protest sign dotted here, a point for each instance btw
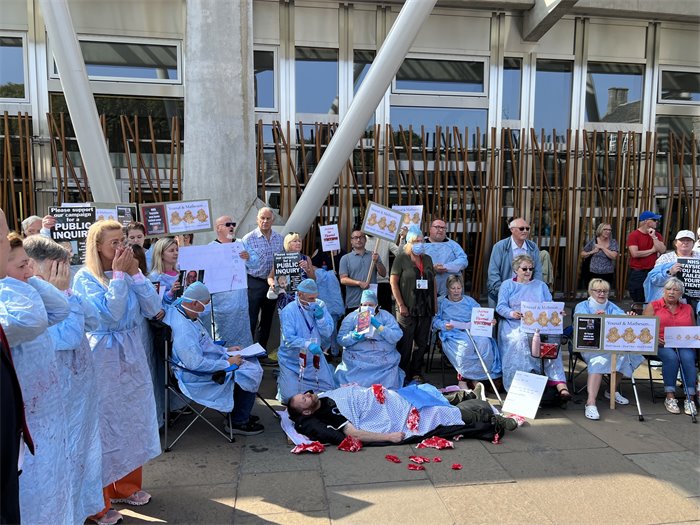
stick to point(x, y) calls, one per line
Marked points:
point(126, 213)
point(482, 322)
point(382, 222)
point(682, 337)
point(220, 265)
point(72, 225)
point(412, 215)
point(287, 271)
point(524, 394)
point(545, 317)
point(588, 332)
point(690, 272)
point(153, 218)
point(630, 334)
point(105, 211)
point(177, 217)
point(330, 239)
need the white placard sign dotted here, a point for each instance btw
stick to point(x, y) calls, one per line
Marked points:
point(412, 215)
point(545, 316)
point(635, 334)
point(224, 270)
point(382, 222)
point(482, 322)
point(460, 325)
point(682, 337)
point(330, 239)
point(525, 394)
point(188, 216)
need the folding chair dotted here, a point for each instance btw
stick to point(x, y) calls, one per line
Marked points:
point(172, 387)
point(435, 347)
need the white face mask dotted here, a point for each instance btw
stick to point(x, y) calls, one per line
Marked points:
point(310, 306)
point(206, 311)
point(368, 308)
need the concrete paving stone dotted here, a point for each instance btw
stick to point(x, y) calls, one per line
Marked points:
point(277, 492)
point(513, 504)
point(270, 452)
point(622, 430)
point(590, 486)
point(369, 465)
point(198, 503)
point(402, 503)
point(681, 469)
point(478, 466)
point(679, 429)
point(283, 518)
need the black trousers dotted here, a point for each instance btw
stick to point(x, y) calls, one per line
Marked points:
point(416, 332)
point(635, 284)
point(260, 307)
point(9, 449)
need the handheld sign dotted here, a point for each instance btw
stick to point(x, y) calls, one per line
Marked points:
point(482, 322)
point(126, 214)
point(525, 394)
point(364, 320)
point(219, 265)
point(72, 225)
point(177, 217)
point(690, 272)
point(412, 215)
point(382, 222)
point(545, 317)
point(287, 271)
point(330, 239)
point(682, 337)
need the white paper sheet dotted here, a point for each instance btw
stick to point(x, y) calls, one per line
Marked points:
point(525, 394)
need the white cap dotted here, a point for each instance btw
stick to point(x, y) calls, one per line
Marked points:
point(685, 234)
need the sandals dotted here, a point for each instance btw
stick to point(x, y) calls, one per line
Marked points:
point(565, 395)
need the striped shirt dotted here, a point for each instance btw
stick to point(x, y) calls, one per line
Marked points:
point(265, 251)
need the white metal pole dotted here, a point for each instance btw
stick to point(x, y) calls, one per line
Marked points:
point(381, 72)
point(79, 99)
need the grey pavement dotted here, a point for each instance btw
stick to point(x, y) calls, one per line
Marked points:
point(559, 468)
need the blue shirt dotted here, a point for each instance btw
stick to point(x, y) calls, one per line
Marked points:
point(265, 251)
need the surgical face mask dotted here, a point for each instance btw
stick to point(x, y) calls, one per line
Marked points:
point(418, 248)
point(307, 305)
point(207, 309)
point(368, 308)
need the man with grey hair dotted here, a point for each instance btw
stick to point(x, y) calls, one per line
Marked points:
point(503, 253)
point(31, 226)
point(263, 242)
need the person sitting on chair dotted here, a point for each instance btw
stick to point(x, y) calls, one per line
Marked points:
point(204, 370)
point(370, 355)
point(416, 410)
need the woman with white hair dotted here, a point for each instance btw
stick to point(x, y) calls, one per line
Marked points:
point(667, 265)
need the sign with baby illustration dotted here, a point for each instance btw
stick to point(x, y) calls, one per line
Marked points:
point(616, 333)
point(547, 317)
point(412, 215)
point(382, 222)
point(176, 217)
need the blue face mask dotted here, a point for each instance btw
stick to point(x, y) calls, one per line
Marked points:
point(207, 309)
point(418, 248)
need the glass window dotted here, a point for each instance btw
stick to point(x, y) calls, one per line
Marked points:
point(316, 73)
point(553, 94)
point(681, 126)
point(11, 67)
point(512, 74)
point(444, 117)
point(614, 92)
point(682, 86)
point(264, 65)
point(361, 62)
point(417, 74)
point(146, 62)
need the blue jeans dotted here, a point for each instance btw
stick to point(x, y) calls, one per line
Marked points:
point(243, 402)
point(670, 365)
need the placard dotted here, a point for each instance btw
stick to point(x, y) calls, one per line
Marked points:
point(460, 325)
point(126, 214)
point(72, 225)
point(221, 265)
point(635, 334)
point(690, 271)
point(105, 211)
point(544, 316)
point(364, 320)
point(330, 238)
point(482, 322)
point(287, 271)
point(588, 332)
point(176, 217)
point(382, 222)
point(682, 337)
point(412, 215)
point(525, 394)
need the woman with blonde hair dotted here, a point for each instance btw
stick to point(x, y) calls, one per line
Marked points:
point(603, 251)
point(292, 244)
point(112, 282)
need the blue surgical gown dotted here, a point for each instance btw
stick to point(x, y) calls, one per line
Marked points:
point(451, 256)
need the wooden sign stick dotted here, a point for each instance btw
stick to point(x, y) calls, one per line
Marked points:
point(613, 376)
point(371, 266)
point(333, 262)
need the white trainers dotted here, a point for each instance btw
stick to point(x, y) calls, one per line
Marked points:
point(672, 405)
point(592, 412)
point(689, 408)
point(111, 517)
point(619, 398)
point(138, 498)
point(479, 391)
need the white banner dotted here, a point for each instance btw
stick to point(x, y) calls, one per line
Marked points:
point(547, 317)
point(330, 238)
point(224, 270)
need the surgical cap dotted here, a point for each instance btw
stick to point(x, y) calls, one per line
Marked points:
point(413, 233)
point(197, 291)
point(307, 286)
point(368, 296)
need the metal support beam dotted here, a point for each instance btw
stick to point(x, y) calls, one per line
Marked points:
point(79, 99)
point(381, 72)
point(543, 15)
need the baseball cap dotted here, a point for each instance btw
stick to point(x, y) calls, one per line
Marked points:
point(685, 234)
point(646, 215)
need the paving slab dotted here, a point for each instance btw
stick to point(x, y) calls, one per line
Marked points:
point(577, 484)
point(401, 503)
point(197, 503)
point(283, 518)
point(367, 465)
point(270, 452)
point(508, 504)
point(681, 469)
point(279, 492)
point(678, 429)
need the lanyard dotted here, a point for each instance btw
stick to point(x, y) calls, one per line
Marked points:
point(309, 326)
point(420, 265)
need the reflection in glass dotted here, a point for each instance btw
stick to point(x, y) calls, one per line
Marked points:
point(361, 62)
point(512, 72)
point(614, 92)
point(441, 75)
point(264, 65)
point(443, 117)
point(553, 95)
point(316, 72)
point(680, 85)
point(127, 60)
point(11, 67)
point(681, 126)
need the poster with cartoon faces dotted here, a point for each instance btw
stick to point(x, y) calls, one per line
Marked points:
point(624, 333)
point(382, 222)
point(682, 337)
point(547, 317)
point(412, 215)
point(177, 217)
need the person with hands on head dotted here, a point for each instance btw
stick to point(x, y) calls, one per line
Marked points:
point(306, 329)
point(112, 283)
point(354, 269)
point(644, 245)
point(205, 371)
point(672, 312)
point(370, 357)
point(667, 265)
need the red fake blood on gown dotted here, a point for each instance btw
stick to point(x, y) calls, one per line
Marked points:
point(413, 419)
point(378, 391)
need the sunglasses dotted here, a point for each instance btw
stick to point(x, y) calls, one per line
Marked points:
point(522, 228)
point(230, 224)
point(527, 269)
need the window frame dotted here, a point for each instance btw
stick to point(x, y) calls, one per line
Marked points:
point(679, 69)
point(451, 58)
point(622, 126)
point(275, 77)
point(25, 67)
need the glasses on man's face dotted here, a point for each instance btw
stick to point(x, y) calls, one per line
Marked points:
point(523, 228)
point(357, 237)
point(601, 291)
point(230, 224)
point(607, 229)
point(527, 268)
point(439, 227)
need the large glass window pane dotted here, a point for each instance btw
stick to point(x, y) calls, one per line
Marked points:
point(614, 92)
point(361, 62)
point(129, 60)
point(681, 126)
point(680, 85)
point(417, 74)
point(11, 67)
point(431, 117)
point(316, 73)
point(553, 94)
point(512, 74)
point(264, 65)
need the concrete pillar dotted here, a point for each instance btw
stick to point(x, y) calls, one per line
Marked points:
point(219, 149)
